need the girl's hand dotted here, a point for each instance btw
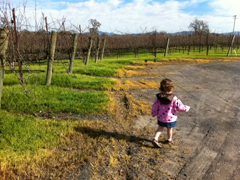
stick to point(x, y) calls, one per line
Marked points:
point(187, 108)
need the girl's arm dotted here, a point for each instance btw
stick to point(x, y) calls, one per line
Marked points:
point(181, 107)
point(155, 108)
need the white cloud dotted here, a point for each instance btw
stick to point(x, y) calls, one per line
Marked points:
point(117, 15)
point(224, 11)
point(115, 3)
point(226, 7)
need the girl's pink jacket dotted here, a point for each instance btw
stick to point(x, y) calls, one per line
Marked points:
point(167, 113)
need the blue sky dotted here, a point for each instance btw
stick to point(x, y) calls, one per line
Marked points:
point(132, 16)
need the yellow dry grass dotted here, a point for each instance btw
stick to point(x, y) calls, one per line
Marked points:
point(136, 84)
point(24, 162)
point(187, 60)
point(137, 107)
point(134, 67)
point(131, 73)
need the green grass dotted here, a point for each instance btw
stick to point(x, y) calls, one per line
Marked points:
point(196, 54)
point(21, 133)
point(53, 99)
point(83, 82)
point(145, 55)
point(106, 68)
point(77, 81)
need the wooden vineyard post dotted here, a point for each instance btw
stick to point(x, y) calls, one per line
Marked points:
point(97, 50)
point(89, 50)
point(102, 53)
point(51, 58)
point(3, 49)
point(75, 38)
point(189, 45)
point(230, 47)
point(135, 52)
point(166, 49)
point(200, 43)
point(155, 44)
point(207, 44)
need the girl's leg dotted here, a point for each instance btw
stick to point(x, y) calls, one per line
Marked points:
point(158, 132)
point(169, 134)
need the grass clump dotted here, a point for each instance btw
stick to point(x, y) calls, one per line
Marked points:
point(19, 134)
point(106, 68)
point(53, 99)
point(102, 72)
point(83, 82)
point(65, 80)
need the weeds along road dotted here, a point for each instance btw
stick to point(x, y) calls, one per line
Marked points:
point(212, 127)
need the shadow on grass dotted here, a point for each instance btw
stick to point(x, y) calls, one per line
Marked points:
point(94, 133)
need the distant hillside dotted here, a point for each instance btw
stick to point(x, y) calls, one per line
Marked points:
point(107, 33)
point(230, 33)
point(176, 33)
point(181, 33)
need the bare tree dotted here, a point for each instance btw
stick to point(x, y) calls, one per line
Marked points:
point(94, 26)
point(199, 27)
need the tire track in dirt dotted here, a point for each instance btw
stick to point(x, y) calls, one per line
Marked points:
point(216, 108)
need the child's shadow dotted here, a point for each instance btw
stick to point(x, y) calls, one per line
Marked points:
point(97, 133)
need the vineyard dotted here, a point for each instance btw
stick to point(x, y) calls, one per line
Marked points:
point(31, 47)
point(70, 100)
point(34, 46)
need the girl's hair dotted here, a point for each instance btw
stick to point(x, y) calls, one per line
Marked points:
point(166, 85)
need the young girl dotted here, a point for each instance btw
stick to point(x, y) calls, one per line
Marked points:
point(165, 108)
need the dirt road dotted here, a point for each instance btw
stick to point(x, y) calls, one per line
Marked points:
point(212, 127)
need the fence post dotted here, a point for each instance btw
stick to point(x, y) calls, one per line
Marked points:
point(166, 50)
point(51, 58)
point(155, 44)
point(89, 50)
point(230, 47)
point(207, 44)
point(103, 47)
point(97, 50)
point(3, 49)
point(75, 38)
point(189, 44)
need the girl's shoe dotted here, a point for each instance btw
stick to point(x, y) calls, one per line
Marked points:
point(156, 144)
point(168, 142)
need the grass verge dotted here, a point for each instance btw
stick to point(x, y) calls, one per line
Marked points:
point(53, 99)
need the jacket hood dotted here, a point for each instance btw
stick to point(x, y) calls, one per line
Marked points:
point(165, 98)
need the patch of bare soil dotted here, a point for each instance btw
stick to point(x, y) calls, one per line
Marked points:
point(207, 138)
